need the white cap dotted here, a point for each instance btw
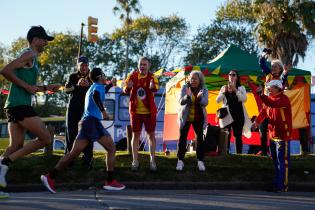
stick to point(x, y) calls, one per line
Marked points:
point(278, 62)
point(277, 83)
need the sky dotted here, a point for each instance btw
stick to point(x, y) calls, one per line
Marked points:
point(17, 16)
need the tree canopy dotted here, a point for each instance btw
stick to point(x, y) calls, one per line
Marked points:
point(284, 26)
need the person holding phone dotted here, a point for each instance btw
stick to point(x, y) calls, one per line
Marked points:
point(278, 71)
point(234, 95)
point(193, 101)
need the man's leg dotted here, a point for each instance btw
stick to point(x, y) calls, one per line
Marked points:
point(136, 121)
point(274, 155)
point(152, 145)
point(88, 155)
point(111, 183)
point(36, 126)
point(71, 133)
point(16, 133)
point(149, 122)
point(108, 143)
point(283, 159)
point(135, 148)
point(77, 148)
point(263, 130)
point(48, 179)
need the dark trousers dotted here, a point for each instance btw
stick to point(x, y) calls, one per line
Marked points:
point(237, 127)
point(182, 143)
point(73, 119)
point(280, 153)
point(263, 131)
point(303, 133)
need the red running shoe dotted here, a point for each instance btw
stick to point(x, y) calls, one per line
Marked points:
point(48, 183)
point(113, 185)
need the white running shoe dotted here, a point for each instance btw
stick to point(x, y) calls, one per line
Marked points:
point(201, 166)
point(180, 165)
point(3, 172)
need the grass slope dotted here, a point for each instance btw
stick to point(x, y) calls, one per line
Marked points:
point(233, 168)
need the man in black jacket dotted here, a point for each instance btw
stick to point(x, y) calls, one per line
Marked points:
point(77, 85)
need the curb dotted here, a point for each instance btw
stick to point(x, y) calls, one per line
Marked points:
point(260, 186)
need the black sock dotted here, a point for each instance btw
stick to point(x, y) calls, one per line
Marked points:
point(53, 174)
point(6, 161)
point(110, 176)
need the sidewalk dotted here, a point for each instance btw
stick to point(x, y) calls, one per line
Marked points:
point(306, 187)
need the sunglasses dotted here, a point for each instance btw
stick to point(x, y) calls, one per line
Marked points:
point(233, 75)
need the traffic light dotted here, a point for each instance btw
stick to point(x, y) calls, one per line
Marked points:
point(92, 29)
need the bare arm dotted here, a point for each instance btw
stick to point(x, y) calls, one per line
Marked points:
point(25, 59)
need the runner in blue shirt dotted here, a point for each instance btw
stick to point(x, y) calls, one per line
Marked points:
point(90, 129)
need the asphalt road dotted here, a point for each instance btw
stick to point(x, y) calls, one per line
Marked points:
point(159, 199)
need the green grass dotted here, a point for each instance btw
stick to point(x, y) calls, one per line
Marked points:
point(4, 142)
point(235, 168)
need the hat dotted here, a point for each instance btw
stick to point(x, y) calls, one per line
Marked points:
point(277, 83)
point(38, 31)
point(278, 62)
point(83, 59)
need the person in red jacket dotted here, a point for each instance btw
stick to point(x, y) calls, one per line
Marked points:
point(277, 109)
point(141, 85)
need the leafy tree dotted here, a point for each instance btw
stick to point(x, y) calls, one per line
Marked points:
point(161, 39)
point(285, 26)
point(124, 9)
point(211, 40)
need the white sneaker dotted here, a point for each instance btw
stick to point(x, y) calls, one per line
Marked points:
point(3, 172)
point(153, 166)
point(135, 165)
point(180, 165)
point(201, 166)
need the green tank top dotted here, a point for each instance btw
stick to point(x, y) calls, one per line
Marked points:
point(19, 96)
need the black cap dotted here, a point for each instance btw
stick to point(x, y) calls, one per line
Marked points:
point(38, 31)
point(83, 59)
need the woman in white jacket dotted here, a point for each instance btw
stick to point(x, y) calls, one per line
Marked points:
point(234, 95)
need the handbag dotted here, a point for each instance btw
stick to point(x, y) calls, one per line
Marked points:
point(222, 112)
point(227, 119)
